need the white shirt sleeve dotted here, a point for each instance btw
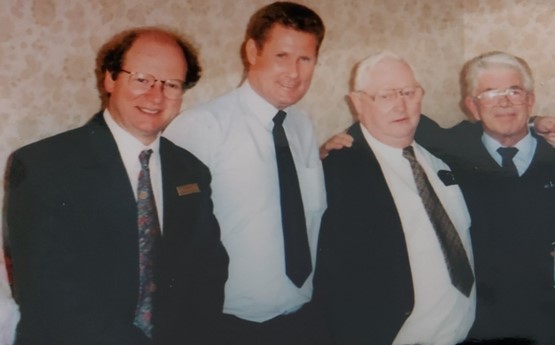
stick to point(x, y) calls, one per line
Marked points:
point(9, 312)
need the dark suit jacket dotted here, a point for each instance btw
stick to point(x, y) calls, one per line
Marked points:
point(363, 280)
point(72, 223)
point(513, 226)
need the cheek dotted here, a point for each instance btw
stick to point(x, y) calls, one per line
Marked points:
point(307, 72)
point(173, 108)
point(414, 111)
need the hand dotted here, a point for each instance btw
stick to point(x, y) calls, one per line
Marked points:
point(336, 142)
point(545, 126)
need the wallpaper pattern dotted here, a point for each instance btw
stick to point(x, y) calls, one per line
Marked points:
point(48, 49)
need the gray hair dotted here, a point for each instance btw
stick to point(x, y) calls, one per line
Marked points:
point(360, 75)
point(495, 59)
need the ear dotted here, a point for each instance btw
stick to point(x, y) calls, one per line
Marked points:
point(471, 105)
point(109, 83)
point(251, 51)
point(357, 102)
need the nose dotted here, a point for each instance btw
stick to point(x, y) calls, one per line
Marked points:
point(504, 101)
point(399, 103)
point(293, 69)
point(156, 92)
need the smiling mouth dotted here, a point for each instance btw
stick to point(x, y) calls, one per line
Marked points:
point(149, 111)
point(288, 86)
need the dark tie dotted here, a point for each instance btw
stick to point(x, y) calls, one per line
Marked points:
point(453, 251)
point(509, 167)
point(149, 233)
point(298, 264)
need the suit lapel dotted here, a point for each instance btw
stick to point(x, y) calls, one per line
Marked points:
point(113, 191)
point(359, 142)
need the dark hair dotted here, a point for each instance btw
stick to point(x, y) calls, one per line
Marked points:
point(288, 14)
point(111, 55)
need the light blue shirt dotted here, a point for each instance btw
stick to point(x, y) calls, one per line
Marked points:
point(526, 148)
point(232, 135)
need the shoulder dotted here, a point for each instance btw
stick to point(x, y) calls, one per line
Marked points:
point(349, 156)
point(169, 148)
point(173, 155)
point(544, 152)
point(203, 121)
point(212, 110)
point(56, 147)
point(466, 127)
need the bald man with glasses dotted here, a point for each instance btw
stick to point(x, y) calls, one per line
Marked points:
point(110, 226)
point(385, 272)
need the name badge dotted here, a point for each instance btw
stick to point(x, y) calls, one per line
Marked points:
point(187, 189)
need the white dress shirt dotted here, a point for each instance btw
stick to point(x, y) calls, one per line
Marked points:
point(442, 315)
point(232, 135)
point(9, 311)
point(526, 149)
point(129, 149)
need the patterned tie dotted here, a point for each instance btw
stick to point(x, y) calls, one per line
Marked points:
point(298, 264)
point(456, 260)
point(509, 167)
point(149, 233)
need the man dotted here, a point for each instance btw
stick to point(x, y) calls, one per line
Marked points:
point(110, 226)
point(511, 199)
point(390, 271)
point(271, 262)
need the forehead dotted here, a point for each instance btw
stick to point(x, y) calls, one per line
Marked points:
point(156, 54)
point(390, 73)
point(280, 36)
point(498, 78)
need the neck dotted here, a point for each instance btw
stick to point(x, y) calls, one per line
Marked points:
point(508, 140)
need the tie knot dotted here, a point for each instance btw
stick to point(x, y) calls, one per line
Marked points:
point(408, 153)
point(280, 116)
point(144, 157)
point(507, 152)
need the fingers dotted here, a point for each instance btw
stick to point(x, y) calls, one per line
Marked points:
point(544, 125)
point(336, 142)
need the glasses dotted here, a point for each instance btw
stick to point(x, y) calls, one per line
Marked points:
point(142, 82)
point(389, 96)
point(515, 95)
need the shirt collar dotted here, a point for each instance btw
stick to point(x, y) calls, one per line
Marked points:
point(258, 106)
point(388, 153)
point(128, 145)
point(526, 146)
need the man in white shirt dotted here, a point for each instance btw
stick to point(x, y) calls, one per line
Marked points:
point(234, 136)
point(385, 273)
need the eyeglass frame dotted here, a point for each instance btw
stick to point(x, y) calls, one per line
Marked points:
point(153, 82)
point(497, 95)
point(397, 92)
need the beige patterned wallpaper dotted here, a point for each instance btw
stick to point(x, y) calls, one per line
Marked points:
point(48, 47)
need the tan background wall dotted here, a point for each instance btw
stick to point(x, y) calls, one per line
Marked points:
point(48, 47)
